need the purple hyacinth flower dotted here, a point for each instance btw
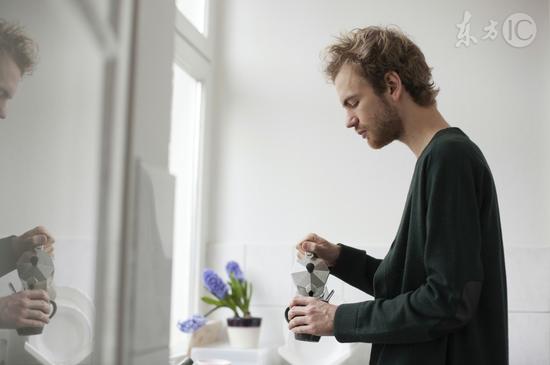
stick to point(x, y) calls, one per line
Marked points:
point(233, 267)
point(192, 324)
point(215, 284)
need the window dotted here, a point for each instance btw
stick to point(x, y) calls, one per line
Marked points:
point(190, 103)
point(184, 158)
point(195, 12)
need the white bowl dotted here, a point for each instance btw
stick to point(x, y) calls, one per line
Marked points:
point(68, 338)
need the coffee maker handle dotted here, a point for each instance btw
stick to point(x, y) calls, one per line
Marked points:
point(54, 308)
point(286, 314)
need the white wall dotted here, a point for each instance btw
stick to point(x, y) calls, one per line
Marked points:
point(280, 129)
point(284, 165)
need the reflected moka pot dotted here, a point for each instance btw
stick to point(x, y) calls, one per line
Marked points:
point(310, 278)
point(35, 269)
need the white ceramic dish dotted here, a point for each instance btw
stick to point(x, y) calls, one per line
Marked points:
point(68, 338)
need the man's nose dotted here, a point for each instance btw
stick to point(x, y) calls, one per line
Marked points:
point(352, 121)
point(2, 113)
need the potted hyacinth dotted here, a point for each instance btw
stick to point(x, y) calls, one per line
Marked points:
point(243, 329)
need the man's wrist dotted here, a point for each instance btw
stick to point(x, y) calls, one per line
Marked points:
point(337, 250)
point(14, 246)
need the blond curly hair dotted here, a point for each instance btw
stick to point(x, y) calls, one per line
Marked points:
point(379, 50)
point(16, 44)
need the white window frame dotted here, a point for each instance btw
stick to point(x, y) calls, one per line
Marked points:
point(193, 53)
point(202, 42)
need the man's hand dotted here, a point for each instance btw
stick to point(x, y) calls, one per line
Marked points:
point(312, 316)
point(29, 308)
point(36, 237)
point(322, 248)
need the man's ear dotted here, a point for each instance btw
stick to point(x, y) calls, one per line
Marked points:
point(393, 84)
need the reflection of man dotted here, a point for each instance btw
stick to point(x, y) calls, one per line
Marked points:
point(29, 308)
point(440, 292)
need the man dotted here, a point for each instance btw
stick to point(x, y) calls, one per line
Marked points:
point(29, 308)
point(440, 292)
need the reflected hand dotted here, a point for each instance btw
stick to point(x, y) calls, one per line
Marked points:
point(312, 316)
point(36, 237)
point(322, 248)
point(29, 308)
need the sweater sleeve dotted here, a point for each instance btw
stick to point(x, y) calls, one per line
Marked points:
point(356, 268)
point(448, 298)
point(7, 256)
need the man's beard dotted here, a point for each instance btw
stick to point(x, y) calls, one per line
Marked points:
point(387, 126)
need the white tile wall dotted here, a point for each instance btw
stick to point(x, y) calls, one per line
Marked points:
point(528, 270)
point(360, 355)
point(529, 335)
point(273, 324)
point(218, 256)
point(269, 267)
point(75, 263)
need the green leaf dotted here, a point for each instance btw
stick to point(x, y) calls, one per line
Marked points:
point(231, 302)
point(212, 301)
point(236, 288)
point(249, 297)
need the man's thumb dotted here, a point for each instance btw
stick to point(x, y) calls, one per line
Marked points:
point(308, 246)
point(40, 239)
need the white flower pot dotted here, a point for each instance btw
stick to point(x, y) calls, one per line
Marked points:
point(244, 333)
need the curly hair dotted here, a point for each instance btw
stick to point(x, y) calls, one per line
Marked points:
point(379, 50)
point(17, 45)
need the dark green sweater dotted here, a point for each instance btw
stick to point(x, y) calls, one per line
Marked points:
point(440, 292)
point(7, 256)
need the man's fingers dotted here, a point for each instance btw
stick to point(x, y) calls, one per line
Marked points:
point(303, 329)
point(305, 246)
point(310, 243)
point(37, 295)
point(310, 246)
point(30, 323)
point(40, 230)
point(39, 240)
point(40, 305)
point(313, 237)
point(300, 245)
point(297, 310)
point(35, 230)
point(300, 300)
point(298, 321)
point(37, 315)
point(36, 237)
